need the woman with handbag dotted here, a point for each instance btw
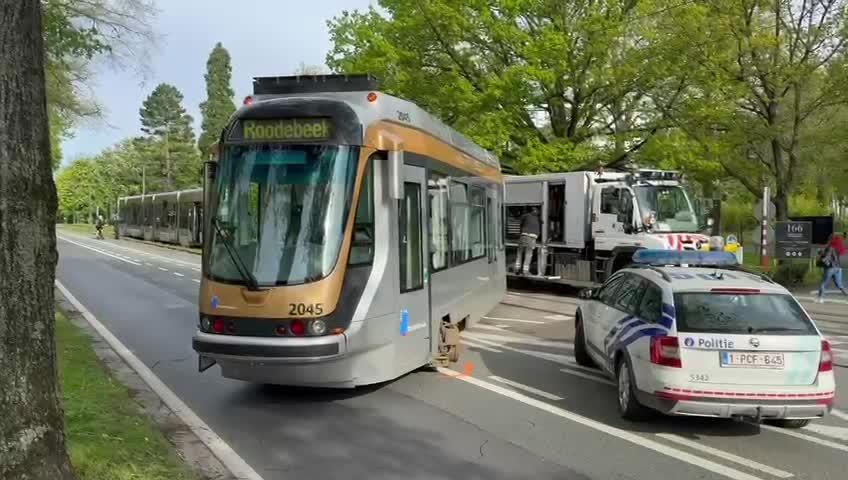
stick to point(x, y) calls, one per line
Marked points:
point(829, 260)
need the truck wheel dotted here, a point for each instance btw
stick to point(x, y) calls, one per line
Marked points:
point(580, 353)
point(628, 405)
point(783, 423)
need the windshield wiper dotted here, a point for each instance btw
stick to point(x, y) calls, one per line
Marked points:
point(245, 273)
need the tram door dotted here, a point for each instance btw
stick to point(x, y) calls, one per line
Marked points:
point(414, 340)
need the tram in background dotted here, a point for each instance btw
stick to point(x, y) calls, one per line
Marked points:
point(170, 217)
point(349, 237)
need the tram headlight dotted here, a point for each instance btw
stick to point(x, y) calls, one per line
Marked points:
point(205, 324)
point(318, 327)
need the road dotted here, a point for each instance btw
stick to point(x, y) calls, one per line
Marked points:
point(515, 406)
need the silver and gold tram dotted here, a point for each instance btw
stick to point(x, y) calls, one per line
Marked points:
point(350, 236)
point(171, 217)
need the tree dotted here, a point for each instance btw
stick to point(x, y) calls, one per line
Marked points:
point(218, 107)
point(78, 33)
point(170, 139)
point(32, 443)
point(89, 184)
point(304, 69)
point(546, 84)
point(761, 72)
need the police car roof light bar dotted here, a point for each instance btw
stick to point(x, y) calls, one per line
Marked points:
point(692, 258)
point(661, 273)
point(314, 84)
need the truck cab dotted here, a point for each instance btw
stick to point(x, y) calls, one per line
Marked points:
point(592, 222)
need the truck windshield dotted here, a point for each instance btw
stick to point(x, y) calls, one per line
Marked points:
point(670, 207)
point(283, 209)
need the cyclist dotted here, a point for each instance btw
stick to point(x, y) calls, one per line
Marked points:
point(99, 226)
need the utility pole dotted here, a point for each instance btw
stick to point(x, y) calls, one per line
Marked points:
point(143, 180)
point(764, 258)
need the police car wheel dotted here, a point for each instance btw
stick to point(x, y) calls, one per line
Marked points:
point(580, 353)
point(788, 423)
point(628, 404)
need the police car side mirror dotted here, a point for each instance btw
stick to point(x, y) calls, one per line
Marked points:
point(586, 294)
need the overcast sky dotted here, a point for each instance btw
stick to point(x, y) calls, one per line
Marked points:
point(264, 37)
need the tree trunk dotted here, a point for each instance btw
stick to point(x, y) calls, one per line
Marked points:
point(32, 442)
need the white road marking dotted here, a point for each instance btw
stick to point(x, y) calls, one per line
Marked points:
point(826, 300)
point(801, 436)
point(588, 377)
point(839, 433)
point(231, 460)
point(160, 257)
point(163, 269)
point(526, 388)
point(500, 319)
point(745, 462)
point(495, 328)
point(98, 251)
point(523, 340)
point(195, 280)
point(196, 269)
point(148, 264)
point(839, 414)
point(559, 318)
point(480, 347)
point(633, 438)
point(179, 274)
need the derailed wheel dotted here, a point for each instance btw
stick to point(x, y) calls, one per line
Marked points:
point(449, 341)
point(453, 353)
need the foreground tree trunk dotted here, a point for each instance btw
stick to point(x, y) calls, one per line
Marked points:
point(32, 442)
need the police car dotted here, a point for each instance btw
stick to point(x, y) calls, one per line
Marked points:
point(691, 333)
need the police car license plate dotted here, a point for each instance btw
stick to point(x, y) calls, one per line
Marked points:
point(751, 360)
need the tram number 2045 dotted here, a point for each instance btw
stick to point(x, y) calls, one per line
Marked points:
point(306, 308)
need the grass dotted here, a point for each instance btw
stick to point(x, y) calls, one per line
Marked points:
point(108, 436)
point(86, 229)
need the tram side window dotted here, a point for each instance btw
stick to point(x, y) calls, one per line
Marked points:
point(411, 271)
point(438, 197)
point(184, 209)
point(362, 247)
point(477, 225)
point(460, 218)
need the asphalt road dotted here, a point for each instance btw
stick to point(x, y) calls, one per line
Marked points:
point(516, 406)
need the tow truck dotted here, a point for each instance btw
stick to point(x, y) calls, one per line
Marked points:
point(594, 221)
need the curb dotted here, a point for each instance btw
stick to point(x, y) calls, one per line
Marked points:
point(206, 454)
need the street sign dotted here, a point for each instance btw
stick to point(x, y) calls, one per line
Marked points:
point(758, 210)
point(793, 239)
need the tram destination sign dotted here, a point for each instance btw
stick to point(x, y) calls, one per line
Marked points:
point(793, 239)
point(285, 129)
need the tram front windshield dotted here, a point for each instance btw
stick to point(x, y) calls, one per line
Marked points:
point(283, 208)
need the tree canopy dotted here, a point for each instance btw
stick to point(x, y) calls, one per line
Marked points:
point(170, 139)
point(218, 106)
point(721, 88)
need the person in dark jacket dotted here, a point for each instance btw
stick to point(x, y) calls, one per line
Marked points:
point(830, 262)
point(531, 229)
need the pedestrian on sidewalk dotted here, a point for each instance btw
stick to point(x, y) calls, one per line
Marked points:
point(829, 260)
point(531, 228)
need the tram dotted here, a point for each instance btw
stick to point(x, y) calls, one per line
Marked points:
point(349, 237)
point(169, 217)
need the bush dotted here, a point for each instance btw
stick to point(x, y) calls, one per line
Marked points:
point(791, 274)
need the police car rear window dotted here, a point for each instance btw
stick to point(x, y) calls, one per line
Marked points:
point(732, 313)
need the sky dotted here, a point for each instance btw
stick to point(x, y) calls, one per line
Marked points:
point(264, 38)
